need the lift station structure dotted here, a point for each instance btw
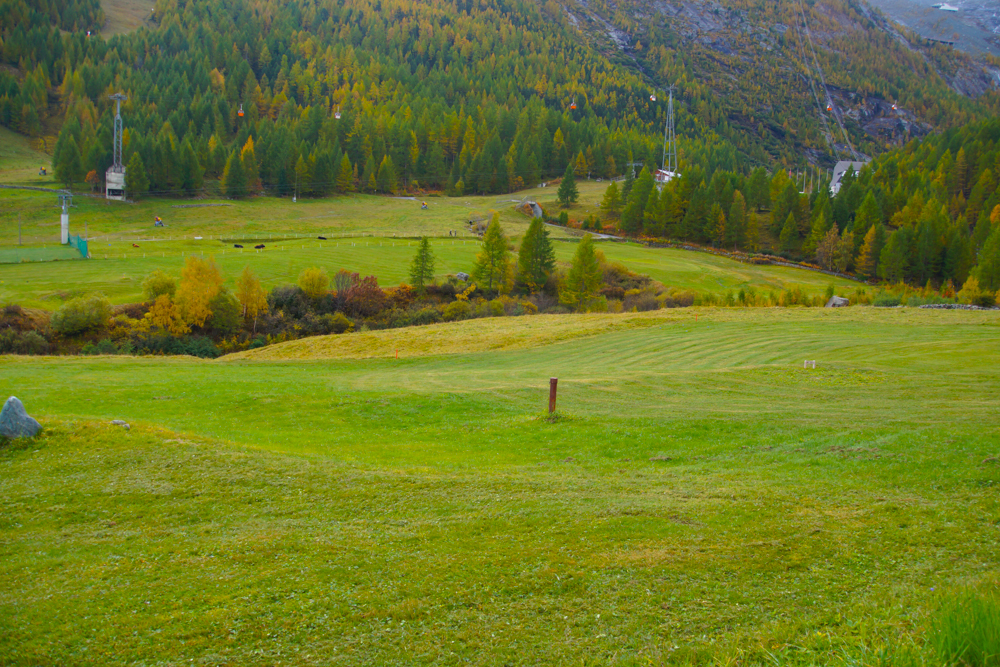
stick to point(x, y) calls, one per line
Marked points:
point(114, 179)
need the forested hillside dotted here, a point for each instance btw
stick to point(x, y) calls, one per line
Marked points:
point(463, 96)
point(927, 213)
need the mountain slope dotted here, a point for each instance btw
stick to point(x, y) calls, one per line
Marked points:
point(474, 97)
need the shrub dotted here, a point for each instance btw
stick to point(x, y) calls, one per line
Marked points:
point(457, 310)
point(886, 300)
point(289, 299)
point(426, 315)
point(365, 298)
point(563, 218)
point(76, 316)
point(640, 300)
point(314, 282)
point(337, 324)
point(104, 346)
point(225, 318)
point(158, 283)
point(22, 342)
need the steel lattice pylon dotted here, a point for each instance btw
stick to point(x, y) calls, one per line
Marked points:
point(117, 164)
point(670, 137)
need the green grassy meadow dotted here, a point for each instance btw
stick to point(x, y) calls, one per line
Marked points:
point(368, 234)
point(702, 499)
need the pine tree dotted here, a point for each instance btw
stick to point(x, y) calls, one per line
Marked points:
point(789, 237)
point(826, 251)
point(136, 181)
point(492, 266)
point(386, 178)
point(536, 258)
point(758, 193)
point(69, 168)
point(612, 202)
point(753, 233)
point(345, 177)
point(580, 288)
point(248, 157)
point(568, 192)
point(234, 178)
point(868, 259)
point(636, 203)
point(717, 220)
point(736, 227)
point(892, 261)
point(422, 267)
point(988, 269)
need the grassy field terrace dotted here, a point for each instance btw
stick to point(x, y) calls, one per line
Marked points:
point(699, 499)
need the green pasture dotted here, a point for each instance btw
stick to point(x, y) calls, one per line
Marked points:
point(703, 499)
point(20, 162)
point(117, 269)
point(353, 215)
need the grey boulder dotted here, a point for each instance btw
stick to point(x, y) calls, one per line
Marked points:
point(15, 421)
point(837, 302)
point(462, 275)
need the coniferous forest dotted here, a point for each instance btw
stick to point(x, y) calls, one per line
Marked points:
point(317, 98)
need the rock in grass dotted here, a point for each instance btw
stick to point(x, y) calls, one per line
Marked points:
point(837, 302)
point(15, 421)
point(122, 423)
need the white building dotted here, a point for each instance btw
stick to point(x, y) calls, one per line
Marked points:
point(840, 170)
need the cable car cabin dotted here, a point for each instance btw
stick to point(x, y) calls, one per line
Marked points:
point(829, 106)
point(652, 98)
point(336, 114)
point(572, 105)
point(240, 112)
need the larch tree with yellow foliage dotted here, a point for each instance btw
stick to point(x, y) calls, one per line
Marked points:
point(200, 282)
point(251, 296)
point(166, 315)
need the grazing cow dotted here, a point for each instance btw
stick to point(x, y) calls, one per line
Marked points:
point(237, 245)
point(135, 245)
point(321, 238)
point(259, 247)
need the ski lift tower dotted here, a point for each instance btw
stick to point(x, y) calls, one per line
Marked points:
point(669, 169)
point(115, 177)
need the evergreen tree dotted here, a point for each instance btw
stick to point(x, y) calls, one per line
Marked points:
point(234, 178)
point(583, 282)
point(345, 177)
point(136, 181)
point(988, 269)
point(386, 178)
point(893, 260)
point(758, 196)
point(422, 267)
point(628, 182)
point(717, 220)
point(737, 222)
point(191, 172)
point(568, 192)
point(248, 156)
point(492, 268)
point(789, 237)
point(612, 202)
point(753, 232)
point(69, 168)
point(636, 203)
point(868, 259)
point(536, 258)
